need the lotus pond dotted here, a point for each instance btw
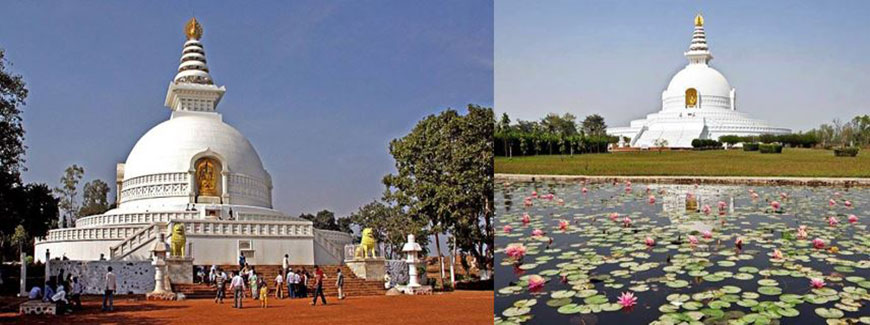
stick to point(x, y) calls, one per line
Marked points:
point(622, 253)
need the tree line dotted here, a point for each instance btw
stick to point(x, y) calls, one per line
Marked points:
point(854, 133)
point(552, 135)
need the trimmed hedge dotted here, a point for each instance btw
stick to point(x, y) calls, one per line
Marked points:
point(794, 140)
point(846, 152)
point(706, 144)
point(770, 148)
point(751, 146)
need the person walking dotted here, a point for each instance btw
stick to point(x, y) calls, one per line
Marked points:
point(109, 294)
point(242, 261)
point(220, 281)
point(339, 283)
point(238, 287)
point(318, 285)
point(279, 286)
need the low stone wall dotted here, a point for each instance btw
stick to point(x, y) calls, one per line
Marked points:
point(133, 277)
point(719, 180)
point(398, 271)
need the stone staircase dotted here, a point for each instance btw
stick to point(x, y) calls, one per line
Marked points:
point(138, 240)
point(353, 286)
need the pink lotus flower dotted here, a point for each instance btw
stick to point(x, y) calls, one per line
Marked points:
point(739, 243)
point(706, 209)
point(783, 195)
point(614, 216)
point(848, 204)
point(802, 232)
point(548, 196)
point(837, 194)
point(775, 205)
point(693, 240)
point(707, 234)
point(652, 199)
point(534, 193)
point(515, 251)
point(627, 189)
point(832, 221)
point(526, 218)
point(527, 202)
point(627, 300)
point(584, 190)
point(563, 224)
point(818, 243)
point(754, 196)
point(560, 202)
point(751, 190)
point(777, 255)
point(853, 218)
point(508, 228)
point(628, 183)
point(832, 203)
point(536, 282)
point(722, 205)
point(537, 233)
point(817, 283)
point(626, 222)
point(650, 241)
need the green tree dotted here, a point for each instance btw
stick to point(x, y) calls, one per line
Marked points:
point(444, 167)
point(391, 226)
point(26, 211)
point(594, 125)
point(95, 198)
point(68, 192)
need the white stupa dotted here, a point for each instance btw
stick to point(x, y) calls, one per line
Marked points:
point(196, 170)
point(699, 103)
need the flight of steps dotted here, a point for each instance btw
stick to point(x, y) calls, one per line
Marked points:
point(353, 286)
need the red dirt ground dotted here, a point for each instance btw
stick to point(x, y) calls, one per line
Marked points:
point(459, 307)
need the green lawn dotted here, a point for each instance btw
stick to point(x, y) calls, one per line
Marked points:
point(792, 162)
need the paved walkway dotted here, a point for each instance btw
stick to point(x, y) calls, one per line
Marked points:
point(729, 180)
point(460, 307)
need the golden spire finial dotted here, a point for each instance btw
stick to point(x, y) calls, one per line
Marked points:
point(193, 29)
point(699, 20)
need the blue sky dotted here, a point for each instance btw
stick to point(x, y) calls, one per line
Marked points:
point(795, 64)
point(319, 87)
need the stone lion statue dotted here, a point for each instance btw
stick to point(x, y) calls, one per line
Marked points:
point(367, 244)
point(177, 240)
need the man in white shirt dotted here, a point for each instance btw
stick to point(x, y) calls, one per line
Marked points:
point(285, 264)
point(109, 295)
point(238, 287)
point(292, 282)
point(279, 286)
point(59, 298)
point(77, 290)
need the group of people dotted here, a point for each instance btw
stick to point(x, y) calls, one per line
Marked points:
point(296, 282)
point(65, 292)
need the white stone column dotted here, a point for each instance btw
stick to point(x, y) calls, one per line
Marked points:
point(225, 191)
point(47, 262)
point(191, 183)
point(23, 281)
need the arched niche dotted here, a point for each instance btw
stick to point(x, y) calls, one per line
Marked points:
point(208, 181)
point(691, 98)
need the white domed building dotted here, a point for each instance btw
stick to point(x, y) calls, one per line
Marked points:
point(699, 103)
point(194, 169)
